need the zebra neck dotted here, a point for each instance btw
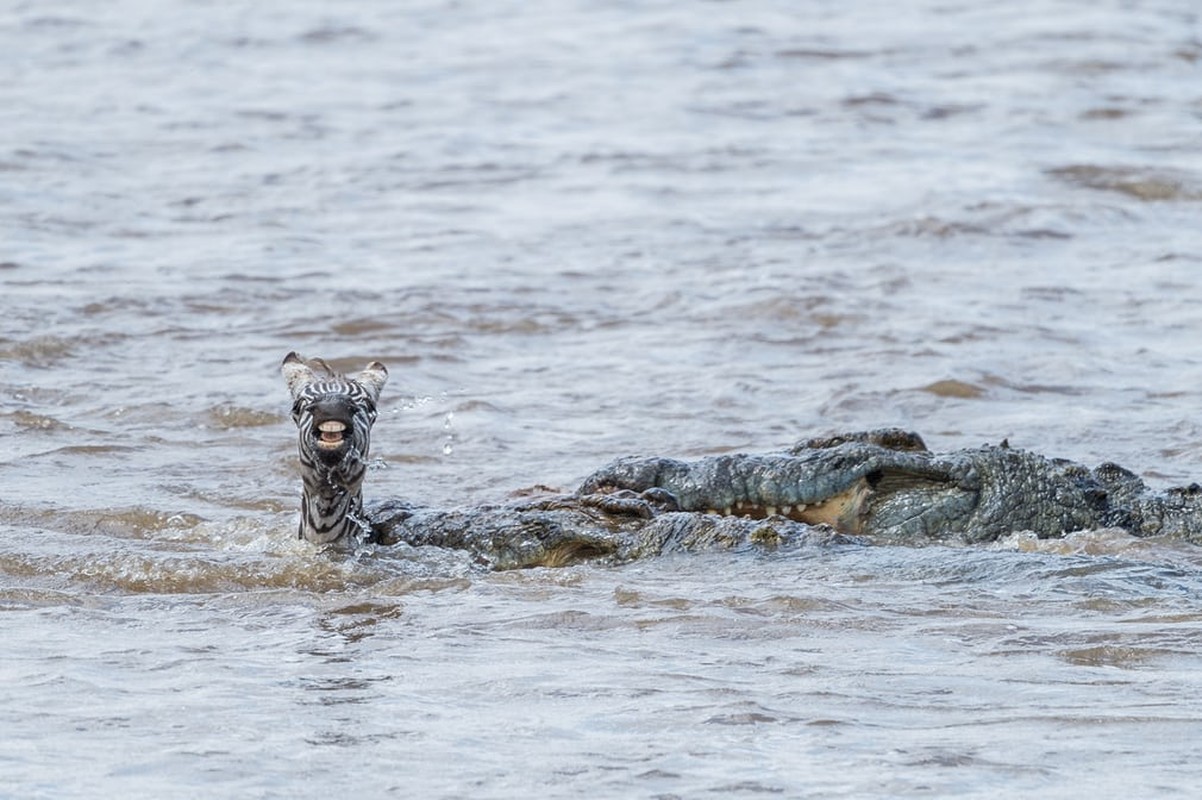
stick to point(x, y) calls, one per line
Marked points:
point(328, 518)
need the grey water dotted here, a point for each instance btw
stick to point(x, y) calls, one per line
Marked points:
point(575, 231)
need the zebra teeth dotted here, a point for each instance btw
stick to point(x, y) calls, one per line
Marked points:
point(331, 433)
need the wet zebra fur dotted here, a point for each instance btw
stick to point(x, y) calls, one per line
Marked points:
point(333, 415)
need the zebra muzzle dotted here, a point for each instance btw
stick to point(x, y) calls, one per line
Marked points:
point(330, 434)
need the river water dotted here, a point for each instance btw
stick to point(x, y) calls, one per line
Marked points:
point(575, 231)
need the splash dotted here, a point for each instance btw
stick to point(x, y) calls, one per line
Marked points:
point(1102, 542)
point(448, 429)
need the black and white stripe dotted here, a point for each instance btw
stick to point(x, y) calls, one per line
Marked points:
point(332, 470)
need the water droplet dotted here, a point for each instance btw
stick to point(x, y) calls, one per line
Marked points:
point(448, 445)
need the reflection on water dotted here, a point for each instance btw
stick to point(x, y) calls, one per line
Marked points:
point(575, 233)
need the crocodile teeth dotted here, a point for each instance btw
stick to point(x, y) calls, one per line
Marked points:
point(770, 511)
point(713, 511)
point(786, 510)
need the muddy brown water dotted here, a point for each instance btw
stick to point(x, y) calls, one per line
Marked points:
point(576, 231)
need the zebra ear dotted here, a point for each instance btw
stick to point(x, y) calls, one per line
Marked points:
point(297, 373)
point(372, 378)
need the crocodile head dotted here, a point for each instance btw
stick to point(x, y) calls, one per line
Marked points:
point(882, 484)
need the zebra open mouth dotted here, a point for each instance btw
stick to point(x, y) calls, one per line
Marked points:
point(330, 434)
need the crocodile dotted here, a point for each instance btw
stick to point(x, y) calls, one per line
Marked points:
point(887, 485)
point(882, 486)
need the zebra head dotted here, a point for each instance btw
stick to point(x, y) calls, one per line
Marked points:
point(333, 414)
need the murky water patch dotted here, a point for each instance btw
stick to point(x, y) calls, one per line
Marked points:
point(1149, 185)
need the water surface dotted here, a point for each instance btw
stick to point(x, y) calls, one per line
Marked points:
point(575, 232)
